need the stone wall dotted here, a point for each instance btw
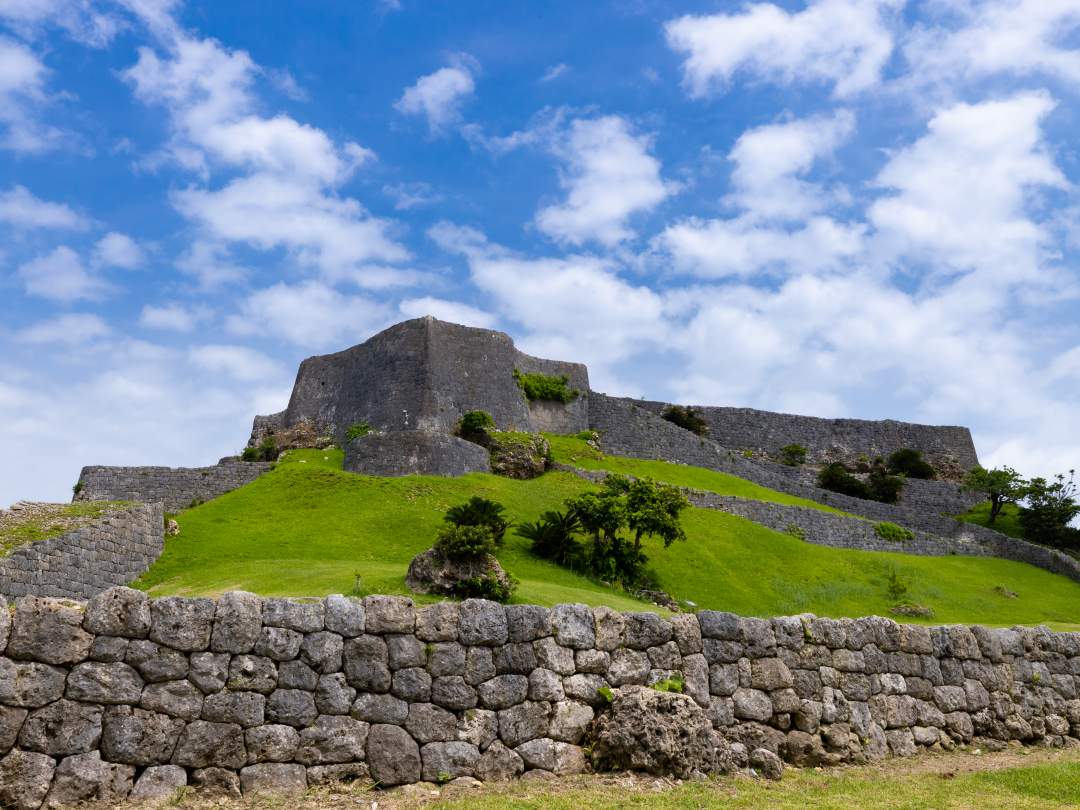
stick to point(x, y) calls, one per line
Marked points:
point(175, 487)
point(414, 452)
point(765, 432)
point(128, 697)
point(113, 550)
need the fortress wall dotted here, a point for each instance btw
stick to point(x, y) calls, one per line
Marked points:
point(175, 487)
point(81, 563)
point(415, 452)
point(828, 440)
point(124, 696)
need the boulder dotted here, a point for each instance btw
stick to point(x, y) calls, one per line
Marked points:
point(291, 707)
point(332, 739)
point(48, 630)
point(182, 623)
point(176, 698)
point(216, 782)
point(438, 622)
point(518, 455)
point(766, 763)
point(155, 662)
point(120, 611)
point(85, 778)
point(62, 728)
point(498, 763)
point(432, 573)
point(305, 615)
point(159, 782)
point(203, 744)
point(573, 626)
point(443, 761)
point(271, 743)
point(93, 682)
point(244, 708)
point(662, 733)
point(237, 622)
point(344, 616)
point(25, 777)
point(389, 614)
point(139, 737)
point(273, 778)
point(483, 623)
point(393, 756)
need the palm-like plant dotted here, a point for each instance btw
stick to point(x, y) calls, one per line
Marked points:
point(479, 511)
point(552, 537)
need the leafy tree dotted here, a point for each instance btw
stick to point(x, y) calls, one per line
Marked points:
point(686, 418)
point(793, 455)
point(267, 451)
point(882, 486)
point(1000, 486)
point(1049, 508)
point(910, 463)
point(479, 511)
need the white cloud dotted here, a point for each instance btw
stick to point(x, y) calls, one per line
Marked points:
point(961, 192)
point(444, 310)
point(239, 362)
point(554, 72)
point(439, 96)
point(61, 276)
point(171, 317)
point(21, 209)
point(407, 196)
point(609, 176)
point(22, 94)
point(980, 38)
point(118, 250)
point(209, 263)
point(79, 18)
point(845, 43)
point(72, 329)
point(310, 315)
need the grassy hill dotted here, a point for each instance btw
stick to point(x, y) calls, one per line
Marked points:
point(308, 528)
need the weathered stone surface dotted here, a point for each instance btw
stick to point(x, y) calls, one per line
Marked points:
point(216, 782)
point(443, 761)
point(25, 777)
point(432, 572)
point(291, 707)
point(62, 728)
point(139, 737)
point(108, 649)
point(718, 625)
point(154, 662)
point(93, 682)
point(237, 622)
point(296, 675)
point(438, 622)
point(569, 720)
point(86, 778)
point(366, 664)
point(524, 722)
point(503, 691)
point(175, 698)
point(48, 630)
point(527, 623)
point(644, 630)
point(305, 615)
point(344, 615)
point(389, 614)
point(479, 665)
point(498, 763)
point(333, 695)
point(393, 756)
point(769, 674)
point(628, 667)
point(118, 611)
point(246, 709)
point(428, 723)
point(482, 623)
point(766, 763)
point(593, 661)
point(452, 692)
point(29, 684)
point(545, 685)
point(332, 739)
point(343, 772)
point(585, 688)
point(276, 779)
point(209, 671)
point(271, 743)
point(518, 659)
point(322, 651)
point(11, 722)
point(538, 753)
point(203, 744)
point(752, 704)
point(573, 626)
point(375, 708)
point(663, 733)
point(278, 643)
point(183, 624)
point(252, 673)
point(446, 658)
point(159, 782)
point(609, 628)
point(412, 685)
point(687, 632)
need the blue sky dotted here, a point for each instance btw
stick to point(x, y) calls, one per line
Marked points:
point(860, 208)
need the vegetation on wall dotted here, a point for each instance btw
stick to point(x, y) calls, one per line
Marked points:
point(910, 464)
point(686, 418)
point(266, 451)
point(793, 455)
point(357, 430)
point(475, 425)
point(879, 485)
point(892, 532)
point(550, 387)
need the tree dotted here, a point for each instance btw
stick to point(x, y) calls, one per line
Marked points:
point(1048, 510)
point(910, 463)
point(1000, 485)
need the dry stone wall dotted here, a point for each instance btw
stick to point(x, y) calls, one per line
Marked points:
point(175, 487)
point(128, 697)
point(414, 452)
point(78, 564)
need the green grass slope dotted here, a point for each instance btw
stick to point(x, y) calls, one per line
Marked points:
point(308, 528)
point(577, 453)
point(1008, 522)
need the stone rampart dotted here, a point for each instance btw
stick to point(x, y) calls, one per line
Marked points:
point(128, 697)
point(765, 432)
point(112, 550)
point(414, 452)
point(175, 487)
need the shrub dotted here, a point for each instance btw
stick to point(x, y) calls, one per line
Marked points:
point(895, 585)
point(588, 436)
point(479, 511)
point(798, 532)
point(793, 455)
point(475, 423)
point(882, 486)
point(486, 586)
point(836, 478)
point(910, 463)
point(552, 537)
point(686, 418)
point(266, 451)
point(893, 533)
point(75, 490)
point(545, 386)
point(464, 542)
point(357, 430)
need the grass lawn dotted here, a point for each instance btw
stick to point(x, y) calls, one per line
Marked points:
point(577, 453)
point(308, 528)
point(1007, 522)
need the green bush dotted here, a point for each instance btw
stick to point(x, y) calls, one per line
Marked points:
point(910, 463)
point(475, 423)
point(882, 486)
point(75, 490)
point(895, 585)
point(486, 586)
point(357, 431)
point(479, 511)
point(798, 532)
point(464, 542)
point(893, 533)
point(686, 418)
point(552, 537)
point(267, 451)
point(836, 478)
point(545, 386)
point(793, 455)
point(588, 436)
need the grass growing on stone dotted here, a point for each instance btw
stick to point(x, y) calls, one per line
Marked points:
point(308, 528)
point(577, 453)
point(1007, 522)
point(45, 521)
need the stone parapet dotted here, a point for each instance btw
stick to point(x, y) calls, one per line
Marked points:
point(178, 488)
